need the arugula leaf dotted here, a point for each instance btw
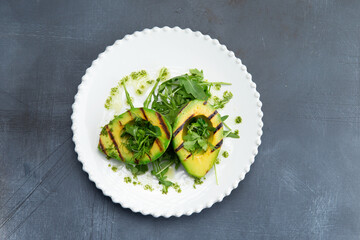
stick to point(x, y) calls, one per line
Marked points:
point(194, 89)
point(137, 170)
point(163, 74)
point(231, 134)
point(196, 72)
point(161, 167)
point(198, 133)
point(174, 93)
point(140, 135)
point(128, 98)
point(223, 118)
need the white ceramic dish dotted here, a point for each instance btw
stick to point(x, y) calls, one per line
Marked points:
point(178, 50)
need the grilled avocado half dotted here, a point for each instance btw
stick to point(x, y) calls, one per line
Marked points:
point(113, 145)
point(199, 164)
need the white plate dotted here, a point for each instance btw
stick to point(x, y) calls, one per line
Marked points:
point(178, 50)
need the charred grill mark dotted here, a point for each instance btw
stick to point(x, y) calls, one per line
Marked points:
point(120, 123)
point(183, 107)
point(178, 130)
point(136, 161)
point(179, 147)
point(188, 156)
point(114, 142)
point(148, 156)
point(102, 146)
point(182, 126)
point(217, 145)
point(157, 141)
point(205, 103)
point(163, 125)
point(143, 112)
point(129, 112)
point(218, 127)
point(212, 115)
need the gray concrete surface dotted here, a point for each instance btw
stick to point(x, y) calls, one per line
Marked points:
point(304, 57)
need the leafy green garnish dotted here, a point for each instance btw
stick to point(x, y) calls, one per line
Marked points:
point(198, 133)
point(128, 98)
point(223, 118)
point(163, 74)
point(161, 167)
point(137, 170)
point(140, 135)
point(174, 93)
point(231, 134)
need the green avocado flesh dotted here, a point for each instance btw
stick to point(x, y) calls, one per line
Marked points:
point(197, 164)
point(114, 146)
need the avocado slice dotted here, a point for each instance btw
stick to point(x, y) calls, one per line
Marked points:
point(197, 164)
point(113, 145)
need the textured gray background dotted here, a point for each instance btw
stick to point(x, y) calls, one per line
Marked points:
point(304, 57)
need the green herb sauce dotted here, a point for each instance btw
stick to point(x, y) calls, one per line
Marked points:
point(127, 179)
point(138, 75)
point(136, 183)
point(225, 154)
point(148, 187)
point(177, 188)
point(238, 119)
point(197, 181)
point(114, 169)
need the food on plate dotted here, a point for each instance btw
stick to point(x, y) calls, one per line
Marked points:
point(181, 110)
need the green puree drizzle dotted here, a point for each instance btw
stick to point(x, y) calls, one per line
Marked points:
point(220, 103)
point(127, 179)
point(197, 181)
point(115, 90)
point(148, 187)
point(238, 119)
point(177, 188)
point(138, 75)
